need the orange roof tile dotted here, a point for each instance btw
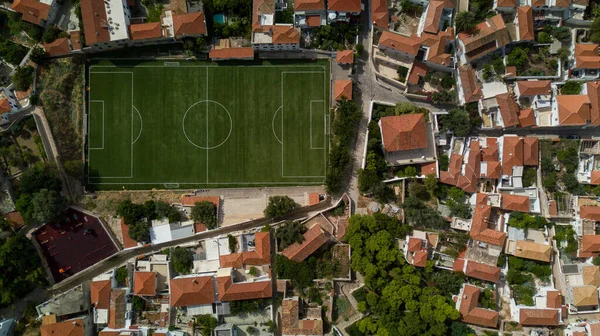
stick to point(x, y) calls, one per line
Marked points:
point(459, 265)
point(314, 238)
point(100, 293)
point(342, 89)
point(507, 3)
point(490, 151)
point(285, 34)
point(408, 45)
point(590, 245)
point(437, 46)
point(260, 8)
point(127, 241)
point(229, 291)
point(512, 154)
point(493, 170)
point(144, 283)
point(94, 17)
point(470, 313)
point(526, 118)
point(515, 203)
point(593, 92)
point(490, 35)
point(534, 87)
point(420, 259)
point(530, 151)
point(525, 23)
point(75, 37)
point(471, 88)
point(414, 244)
point(189, 24)
point(344, 57)
point(235, 260)
point(508, 109)
point(116, 309)
point(465, 179)
point(404, 132)
point(553, 208)
point(262, 250)
point(65, 328)
point(191, 200)
point(595, 329)
point(429, 168)
point(379, 13)
point(15, 219)
point(480, 225)
point(573, 109)
point(192, 291)
point(482, 271)
point(433, 16)
point(4, 105)
point(313, 198)
point(590, 212)
point(595, 177)
point(59, 47)
point(553, 299)
point(510, 71)
point(538, 317)
point(33, 11)
point(309, 5)
point(291, 323)
point(231, 53)
point(313, 20)
point(144, 31)
point(417, 71)
point(586, 56)
point(350, 6)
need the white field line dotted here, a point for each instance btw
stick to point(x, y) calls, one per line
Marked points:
point(207, 125)
point(282, 137)
point(141, 124)
point(215, 183)
point(273, 125)
point(99, 101)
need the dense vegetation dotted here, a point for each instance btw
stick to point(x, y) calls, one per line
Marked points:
point(525, 221)
point(289, 233)
point(181, 259)
point(400, 299)
point(39, 198)
point(138, 216)
point(521, 280)
point(279, 206)
point(346, 118)
point(205, 212)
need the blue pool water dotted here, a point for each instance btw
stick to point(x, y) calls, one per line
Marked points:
point(219, 18)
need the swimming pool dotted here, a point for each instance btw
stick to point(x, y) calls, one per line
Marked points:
point(219, 18)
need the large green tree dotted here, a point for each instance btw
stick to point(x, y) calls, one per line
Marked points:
point(456, 121)
point(139, 231)
point(182, 260)
point(289, 233)
point(279, 206)
point(205, 212)
point(47, 205)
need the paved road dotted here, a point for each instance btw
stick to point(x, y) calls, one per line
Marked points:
point(560, 131)
point(122, 256)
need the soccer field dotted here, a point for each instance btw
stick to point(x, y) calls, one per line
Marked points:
point(196, 124)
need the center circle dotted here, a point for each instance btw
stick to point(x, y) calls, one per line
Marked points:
point(207, 124)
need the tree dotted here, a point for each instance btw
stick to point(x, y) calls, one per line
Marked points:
point(74, 168)
point(571, 88)
point(279, 206)
point(465, 21)
point(595, 30)
point(459, 209)
point(139, 231)
point(165, 210)
point(182, 260)
point(52, 33)
point(416, 189)
point(21, 269)
point(23, 78)
point(207, 324)
point(518, 56)
point(544, 37)
point(596, 261)
point(430, 183)
point(529, 177)
point(419, 214)
point(205, 212)
point(456, 121)
point(233, 243)
point(121, 274)
point(561, 33)
point(47, 205)
point(252, 331)
point(289, 233)
point(37, 55)
point(461, 329)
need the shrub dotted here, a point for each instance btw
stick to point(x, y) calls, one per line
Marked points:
point(182, 260)
point(544, 37)
point(571, 88)
point(279, 206)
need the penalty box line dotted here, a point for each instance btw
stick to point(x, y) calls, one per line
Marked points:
point(131, 134)
point(282, 117)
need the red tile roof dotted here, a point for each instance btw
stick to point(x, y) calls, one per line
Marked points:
point(420, 259)
point(291, 323)
point(589, 246)
point(285, 34)
point(262, 251)
point(4, 105)
point(116, 313)
point(314, 238)
point(342, 89)
point(313, 20)
point(534, 87)
point(586, 56)
point(75, 37)
point(595, 177)
point(530, 151)
point(470, 313)
point(507, 3)
point(231, 53)
point(127, 241)
point(189, 24)
point(414, 244)
point(429, 168)
point(482, 271)
point(437, 46)
point(573, 109)
point(553, 299)
point(404, 132)
point(94, 17)
point(259, 9)
point(100, 293)
point(590, 212)
point(144, 283)
point(433, 16)
point(235, 260)
point(229, 291)
point(379, 13)
point(508, 109)
point(313, 198)
point(409, 45)
point(351, 6)
point(490, 151)
point(525, 23)
point(512, 154)
point(309, 5)
point(33, 11)
point(344, 57)
point(417, 71)
point(593, 91)
point(65, 328)
point(480, 224)
point(192, 291)
point(472, 169)
point(526, 118)
point(15, 219)
point(471, 88)
point(491, 35)
point(538, 317)
point(144, 31)
point(515, 203)
point(59, 47)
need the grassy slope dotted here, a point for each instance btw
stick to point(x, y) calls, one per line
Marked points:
point(250, 156)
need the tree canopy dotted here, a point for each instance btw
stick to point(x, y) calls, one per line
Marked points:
point(139, 231)
point(23, 78)
point(279, 206)
point(205, 212)
point(418, 214)
point(182, 260)
point(398, 298)
point(457, 121)
point(289, 233)
point(47, 205)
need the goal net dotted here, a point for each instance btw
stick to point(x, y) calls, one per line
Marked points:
point(171, 63)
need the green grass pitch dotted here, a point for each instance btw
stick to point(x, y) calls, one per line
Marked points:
point(196, 124)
